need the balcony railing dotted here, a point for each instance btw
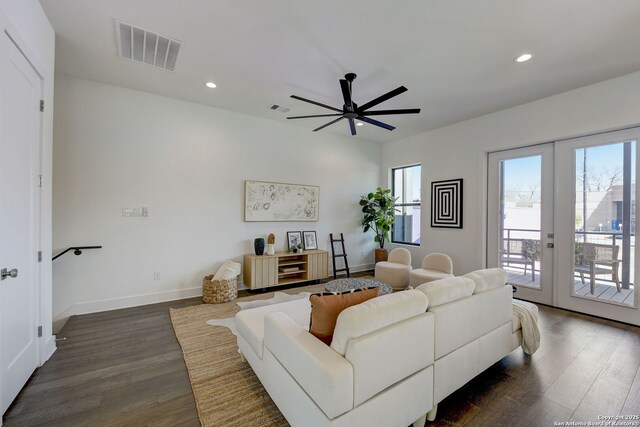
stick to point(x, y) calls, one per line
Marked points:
point(600, 235)
point(512, 236)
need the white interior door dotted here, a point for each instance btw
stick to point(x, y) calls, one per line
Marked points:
point(596, 225)
point(20, 123)
point(520, 219)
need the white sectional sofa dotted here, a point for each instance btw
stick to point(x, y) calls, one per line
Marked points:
point(392, 358)
point(474, 327)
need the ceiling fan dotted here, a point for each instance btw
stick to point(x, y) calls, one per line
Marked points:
point(351, 111)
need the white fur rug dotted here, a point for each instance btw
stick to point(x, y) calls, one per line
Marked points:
point(278, 297)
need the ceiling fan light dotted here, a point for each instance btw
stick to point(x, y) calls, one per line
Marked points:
point(359, 124)
point(523, 58)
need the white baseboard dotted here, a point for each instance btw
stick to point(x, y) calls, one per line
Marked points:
point(360, 267)
point(356, 268)
point(122, 302)
point(144, 299)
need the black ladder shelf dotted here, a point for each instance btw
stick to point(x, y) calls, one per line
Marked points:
point(342, 255)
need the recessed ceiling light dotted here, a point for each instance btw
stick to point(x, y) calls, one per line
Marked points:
point(359, 124)
point(524, 57)
point(210, 85)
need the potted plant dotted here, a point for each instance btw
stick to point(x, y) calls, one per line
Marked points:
point(297, 249)
point(378, 215)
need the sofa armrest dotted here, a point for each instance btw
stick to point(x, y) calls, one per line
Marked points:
point(325, 376)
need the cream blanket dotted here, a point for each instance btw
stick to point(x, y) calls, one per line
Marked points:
point(528, 315)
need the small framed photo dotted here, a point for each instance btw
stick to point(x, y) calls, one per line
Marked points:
point(294, 238)
point(310, 240)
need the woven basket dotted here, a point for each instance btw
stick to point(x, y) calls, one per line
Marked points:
point(218, 291)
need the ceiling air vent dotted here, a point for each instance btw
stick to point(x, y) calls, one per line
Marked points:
point(276, 107)
point(144, 46)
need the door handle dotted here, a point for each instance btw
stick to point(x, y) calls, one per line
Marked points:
point(550, 245)
point(4, 273)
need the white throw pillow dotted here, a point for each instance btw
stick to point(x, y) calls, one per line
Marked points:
point(487, 279)
point(225, 273)
point(374, 314)
point(228, 270)
point(447, 290)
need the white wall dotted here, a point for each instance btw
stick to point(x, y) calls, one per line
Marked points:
point(187, 163)
point(29, 27)
point(459, 151)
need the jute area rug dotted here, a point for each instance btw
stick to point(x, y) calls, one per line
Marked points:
point(226, 391)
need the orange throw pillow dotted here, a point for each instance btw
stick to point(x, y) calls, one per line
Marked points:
point(325, 308)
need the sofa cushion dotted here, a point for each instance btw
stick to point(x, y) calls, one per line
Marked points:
point(420, 276)
point(376, 314)
point(465, 320)
point(250, 323)
point(487, 279)
point(447, 290)
point(325, 308)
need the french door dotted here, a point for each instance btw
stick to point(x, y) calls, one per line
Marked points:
point(520, 234)
point(596, 224)
point(561, 220)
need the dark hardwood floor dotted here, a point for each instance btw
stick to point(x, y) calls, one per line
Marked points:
point(125, 367)
point(585, 367)
point(121, 367)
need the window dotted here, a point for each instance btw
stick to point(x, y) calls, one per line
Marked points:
point(406, 187)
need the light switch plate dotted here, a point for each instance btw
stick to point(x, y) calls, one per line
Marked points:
point(143, 211)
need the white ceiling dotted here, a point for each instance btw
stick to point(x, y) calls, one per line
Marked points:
point(454, 56)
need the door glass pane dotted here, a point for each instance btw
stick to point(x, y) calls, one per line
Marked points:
point(604, 243)
point(520, 220)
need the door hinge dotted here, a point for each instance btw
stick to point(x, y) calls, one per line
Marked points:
point(39, 256)
point(42, 105)
point(39, 331)
point(39, 180)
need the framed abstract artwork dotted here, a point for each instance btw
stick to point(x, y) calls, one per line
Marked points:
point(272, 201)
point(446, 204)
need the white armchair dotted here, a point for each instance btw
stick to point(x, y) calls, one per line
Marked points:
point(396, 270)
point(434, 267)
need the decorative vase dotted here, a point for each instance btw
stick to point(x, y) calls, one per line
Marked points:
point(381, 255)
point(258, 245)
point(271, 250)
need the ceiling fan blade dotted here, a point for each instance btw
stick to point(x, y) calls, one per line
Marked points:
point(317, 115)
point(376, 123)
point(388, 112)
point(382, 98)
point(352, 125)
point(316, 103)
point(329, 124)
point(346, 93)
